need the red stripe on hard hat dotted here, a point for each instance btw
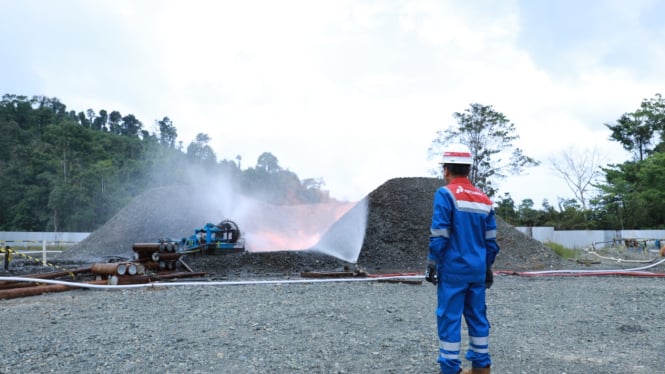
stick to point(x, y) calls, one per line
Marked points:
point(458, 154)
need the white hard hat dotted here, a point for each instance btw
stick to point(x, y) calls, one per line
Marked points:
point(457, 154)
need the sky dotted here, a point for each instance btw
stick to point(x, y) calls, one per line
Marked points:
point(349, 91)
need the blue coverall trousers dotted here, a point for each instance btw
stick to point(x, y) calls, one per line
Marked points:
point(455, 300)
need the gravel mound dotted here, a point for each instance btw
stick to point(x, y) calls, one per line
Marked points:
point(393, 221)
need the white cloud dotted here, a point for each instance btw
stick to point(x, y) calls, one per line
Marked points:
point(351, 91)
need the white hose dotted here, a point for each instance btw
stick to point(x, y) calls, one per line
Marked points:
point(205, 283)
point(622, 260)
point(637, 270)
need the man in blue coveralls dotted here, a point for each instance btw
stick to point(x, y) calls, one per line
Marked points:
point(462, 250)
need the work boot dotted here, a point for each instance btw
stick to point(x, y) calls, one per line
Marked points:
point(477, 371)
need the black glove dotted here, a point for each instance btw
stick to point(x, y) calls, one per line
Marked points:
point(489, 276)
point(430, 273)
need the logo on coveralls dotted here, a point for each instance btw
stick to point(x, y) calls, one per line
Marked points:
point(461, 189)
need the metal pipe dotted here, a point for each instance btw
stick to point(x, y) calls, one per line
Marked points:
point(145, 247)
point(178, 275)
point(11, 285)
point(128, 279)
point(118, 268)
point(158, 256)
point(36, 290)
point(131, 268)
point(152, 265)
point(53, 274)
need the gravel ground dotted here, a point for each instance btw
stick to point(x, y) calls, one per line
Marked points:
point(597, 324)
point(539, 325)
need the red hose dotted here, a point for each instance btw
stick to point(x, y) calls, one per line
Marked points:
point(583, 274)
point(393, 275)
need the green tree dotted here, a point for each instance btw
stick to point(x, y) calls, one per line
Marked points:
point(634, 134)
point(67, 172)
point(200, 151)
point(637, 131)
point(130, 125)
point(621, 193)
point(528, 216)
point(71, 143)
point(167, 132)
point(490, 136)
point(268, 163)
point(83, 120)
point(631, 194)
point(114, 122)
point(49, 110)
point(572, 216)
point(505, 208)
point(262, 181)
point(100, 122)
point(90, 116)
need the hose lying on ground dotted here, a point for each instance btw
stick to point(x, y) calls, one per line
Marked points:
point(635, 272)
point(207, 283)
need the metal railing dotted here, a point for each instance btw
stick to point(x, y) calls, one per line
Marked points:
point(8, 249)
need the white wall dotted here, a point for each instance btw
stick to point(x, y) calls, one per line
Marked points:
point(591, 238)
point(22, 239)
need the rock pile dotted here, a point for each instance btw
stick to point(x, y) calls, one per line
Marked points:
point(397, 216)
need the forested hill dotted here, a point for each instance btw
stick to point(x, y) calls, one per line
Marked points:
point(62, 170)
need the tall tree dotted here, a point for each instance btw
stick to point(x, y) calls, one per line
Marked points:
point(99, 122)
point(167, 132)
point(200, 150)
point(268, 163)
point(637, 131)
point(114, 125)
point(634, 134)
point(130, 125)
point(490, 136)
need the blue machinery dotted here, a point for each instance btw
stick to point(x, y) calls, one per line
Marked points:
point(223, 237)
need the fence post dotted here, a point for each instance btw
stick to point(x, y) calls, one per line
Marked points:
point(6, 253)
point(44, 252)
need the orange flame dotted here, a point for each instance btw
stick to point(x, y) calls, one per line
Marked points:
point(291, 227)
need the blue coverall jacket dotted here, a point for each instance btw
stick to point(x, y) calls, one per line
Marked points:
point(463, 232)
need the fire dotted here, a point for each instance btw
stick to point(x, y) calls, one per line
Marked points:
point(290, 227)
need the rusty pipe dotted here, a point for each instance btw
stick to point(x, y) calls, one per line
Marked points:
point(140, 269)
point(151, 265)
point(50, 275)
point(145, 247)
point(40, 289)
point(131, 269)
point(117, 268)
point(115, 280)
point(142, 256)
point(179, 275)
